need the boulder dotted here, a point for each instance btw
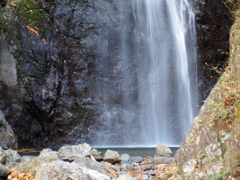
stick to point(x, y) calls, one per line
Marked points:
point(91, 164)
point(163, 160)
point(111, 156)
point(164, 151)
point(12, 157)
point(65, 170)
point(96, 154)
point(70, 153)
point(136, 159)
point(126, 177)
point(125, 158)
point(4, 171)
point(127, 167)
point(146, 167)
point(47, 155)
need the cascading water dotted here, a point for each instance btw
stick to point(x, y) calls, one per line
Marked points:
point(156, 94)
point(166, 91)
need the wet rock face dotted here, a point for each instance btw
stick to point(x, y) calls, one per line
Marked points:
point(64, 81)
point(213, 23)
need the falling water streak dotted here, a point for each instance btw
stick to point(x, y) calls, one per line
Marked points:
point(182, 53)
point(157, 123)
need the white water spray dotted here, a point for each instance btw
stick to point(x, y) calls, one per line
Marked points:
point(153, 96)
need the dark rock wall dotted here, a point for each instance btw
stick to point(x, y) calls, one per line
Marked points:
point(213, 23)
point(64, 84)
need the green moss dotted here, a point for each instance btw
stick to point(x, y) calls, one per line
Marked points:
point(32, 13)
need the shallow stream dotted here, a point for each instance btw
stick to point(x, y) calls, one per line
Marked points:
point(132, 151)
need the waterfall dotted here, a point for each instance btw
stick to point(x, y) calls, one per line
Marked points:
point(167, 93)
point(158, 66)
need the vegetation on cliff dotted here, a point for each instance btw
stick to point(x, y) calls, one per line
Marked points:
point(211, 147)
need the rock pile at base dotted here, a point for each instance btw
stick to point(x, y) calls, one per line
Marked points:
point(79, 163)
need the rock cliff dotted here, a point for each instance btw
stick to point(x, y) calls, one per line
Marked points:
point(66, 71)
point(210, 149)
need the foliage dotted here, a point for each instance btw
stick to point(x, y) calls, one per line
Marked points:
point(218, 176)
point(232, 5)
point(200, 157)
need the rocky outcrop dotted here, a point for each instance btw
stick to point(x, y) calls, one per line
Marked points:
point(68, 72)
point(213, 23)
point(210, 149)
point(70, 77)
point(7, 136)
point(8, 70)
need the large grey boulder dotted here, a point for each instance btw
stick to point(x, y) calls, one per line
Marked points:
point(65, 170)
point(12, 157)
point(111, 156)
point(9, 157)
point(47, 155)
point(70, 153)
point(164, 151)
point(91, 164)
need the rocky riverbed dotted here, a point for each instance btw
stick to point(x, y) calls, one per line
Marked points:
point(82, 162)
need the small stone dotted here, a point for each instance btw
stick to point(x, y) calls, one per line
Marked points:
point(146, 167)
point(163, 160)
point(145, 177)
point(116, 167)
point(111, 156)
point(126, 177)
point(137, 159)
point(128, 167)
point(125, 158)
point(95, 152)
point(164, 151)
